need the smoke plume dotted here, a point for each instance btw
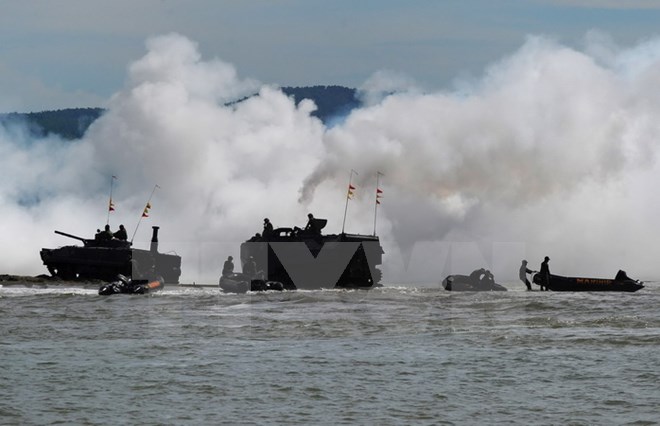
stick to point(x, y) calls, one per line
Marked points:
point(551, 152)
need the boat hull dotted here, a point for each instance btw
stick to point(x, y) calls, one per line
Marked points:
point(464, 283)
point(560, 283)
point(239, 283)
point(123, 285)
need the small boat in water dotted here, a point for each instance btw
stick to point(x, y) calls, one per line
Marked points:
point(240, 283)
point(124, 285)
point(479, 280)
point(620, 283)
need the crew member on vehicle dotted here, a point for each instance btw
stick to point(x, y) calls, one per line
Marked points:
point(228, 267)
point(475, 276)
point(312, 226)
point(268, 228)
point(121, 233)
point(488, 278)
point(104, 235)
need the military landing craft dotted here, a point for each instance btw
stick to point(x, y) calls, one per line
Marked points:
point(105, 259)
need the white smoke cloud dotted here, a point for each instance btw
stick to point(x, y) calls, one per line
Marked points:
point(504, 161)
point(551, 152)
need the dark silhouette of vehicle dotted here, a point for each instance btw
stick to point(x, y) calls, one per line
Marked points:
point(307, 259)
point(105, 259)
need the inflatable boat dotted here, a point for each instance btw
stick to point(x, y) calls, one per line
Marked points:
point(240, 283)
point(469, 283)
point(125, 285)
point(620, 283)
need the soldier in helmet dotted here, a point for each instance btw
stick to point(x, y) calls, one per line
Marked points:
point(228, 267)
point(312, 226)
point(268, 228)
point(250, 268)
point(522, 274)
point(104, 235)
point(121, 233)
point(545, 273)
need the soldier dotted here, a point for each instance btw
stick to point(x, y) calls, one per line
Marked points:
point(311, 226)
point(121, 233)
point(106, 234)
point(268, 228)
point(522, 274)
point(250, 268)
point(545, 274)
point(228, 267)
point(475, 276)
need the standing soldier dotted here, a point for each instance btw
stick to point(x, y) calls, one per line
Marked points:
point(250, 268)
point(523, 274)
point(545, 274)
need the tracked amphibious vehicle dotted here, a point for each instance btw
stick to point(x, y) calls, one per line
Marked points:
point(105, 259)
point(304, 259)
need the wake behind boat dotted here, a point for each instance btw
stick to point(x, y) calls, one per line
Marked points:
point(559, 283)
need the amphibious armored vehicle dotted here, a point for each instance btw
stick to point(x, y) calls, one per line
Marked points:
point(105, 259)
point(301, 259)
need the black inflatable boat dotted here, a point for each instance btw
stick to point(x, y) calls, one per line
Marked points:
point(470, 283)
point(125, 285)
point(620, 283)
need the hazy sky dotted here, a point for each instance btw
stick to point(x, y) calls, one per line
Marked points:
point(56, 54)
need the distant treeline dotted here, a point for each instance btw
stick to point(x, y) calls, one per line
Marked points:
point(67, 123)
point(331, 101)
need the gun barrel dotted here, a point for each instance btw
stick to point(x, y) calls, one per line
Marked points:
point(70, 236)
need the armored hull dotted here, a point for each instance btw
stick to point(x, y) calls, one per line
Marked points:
point(104, 260)
point(301, 260)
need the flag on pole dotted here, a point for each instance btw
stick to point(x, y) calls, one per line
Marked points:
point(351, 192)
point(145, 213)
point(379, 195)
point(111, 206)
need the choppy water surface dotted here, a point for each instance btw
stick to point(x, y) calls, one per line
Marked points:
point(387, 356)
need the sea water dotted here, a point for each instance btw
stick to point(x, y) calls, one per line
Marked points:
point(397, 355)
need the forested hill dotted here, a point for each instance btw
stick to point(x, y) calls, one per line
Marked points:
point(331, 101)
point(67, 123)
